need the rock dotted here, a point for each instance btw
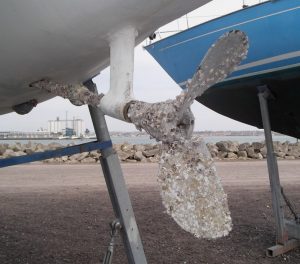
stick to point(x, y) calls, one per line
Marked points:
point(39, 148)
point(231, 155)
point(280, 154)
point(252, 154)
point(222, 154)
point(8, 153)
point(17, 147)
point(54, 146)
point(242, 154)
point(95, 154)
point(126, 147)
point(3, 147)
point(213, 149)
point(138, 155)
point(244, 146)
point(52, 160)
point(279, 147)
point(227, 146)
point(64, 158)
point(79, 156)
point(257, 146)
point(29, 151)
point(289, 157)
point(88, 160)
point(263, 151)
point(18, 153)
point(259, 156)
point(151, 152)
point(139, 147)
point(152, 159)
point(71, 162)
point(117, 147)
point(131, 160)
point(124, 155)
point(293, 151)
point(151, 146)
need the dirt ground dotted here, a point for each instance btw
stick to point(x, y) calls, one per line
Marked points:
point(60, 214)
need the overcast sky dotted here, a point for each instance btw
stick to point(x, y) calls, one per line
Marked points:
point(151, 84)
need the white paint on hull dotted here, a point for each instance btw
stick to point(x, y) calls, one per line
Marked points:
point(68, 40)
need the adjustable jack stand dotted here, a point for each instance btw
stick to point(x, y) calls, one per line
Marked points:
point(285, 229)
point(117, 188)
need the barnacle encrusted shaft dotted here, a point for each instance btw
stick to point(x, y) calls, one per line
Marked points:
point(78, 94)
point(191, 190)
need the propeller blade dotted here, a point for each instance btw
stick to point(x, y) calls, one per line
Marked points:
point(220, 60)
point(171, 120)
point(191, 190)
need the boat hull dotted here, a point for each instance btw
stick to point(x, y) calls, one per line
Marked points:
point(273, 60)
point(69, 41)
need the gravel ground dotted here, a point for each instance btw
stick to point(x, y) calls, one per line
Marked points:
point(60, 214)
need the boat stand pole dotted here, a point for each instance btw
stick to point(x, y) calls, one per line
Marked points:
point(117, 188)
point(282, 239)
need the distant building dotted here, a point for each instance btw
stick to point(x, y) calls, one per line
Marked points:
point(67, 127)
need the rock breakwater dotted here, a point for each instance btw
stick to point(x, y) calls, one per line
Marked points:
point(223, 150)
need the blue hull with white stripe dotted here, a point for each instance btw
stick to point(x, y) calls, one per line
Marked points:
point(273, 29)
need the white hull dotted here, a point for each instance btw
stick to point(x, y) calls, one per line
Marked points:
point(68, 40)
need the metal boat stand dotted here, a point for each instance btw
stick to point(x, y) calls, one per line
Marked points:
point(125, 222)
point(117, 188)
point(287, 231)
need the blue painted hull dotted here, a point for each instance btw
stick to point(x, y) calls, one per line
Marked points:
point(274, 59)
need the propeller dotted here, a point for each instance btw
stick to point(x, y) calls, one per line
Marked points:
point(191, 190)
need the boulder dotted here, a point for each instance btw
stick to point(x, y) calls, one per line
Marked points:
point(8, 153)
point(231, 155)
point(64, 158)
point(152, 159)
point(117, 147)
point(79, 156)
point(213, 149)
point(126, 147)
point(17, 147)
point(258, 146)
point(131, 160)
point(259, 156)
point(3, 147)
point(242, 154)
point(222, 154)
point(289, 157)
point(39, 148)
point(244, 146)
point(139, 147)
point(95, 154)
point(138, 155)
point(280, 147)
point(54, 146)
point(227, 146)
point(280, 154)
point(88, 160)
point(124, 155)
point(29, 151)
point(252, 154)
point(263, 151)
point(151, 152)
point(294, 150)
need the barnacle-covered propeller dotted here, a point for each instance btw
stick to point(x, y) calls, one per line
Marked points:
point(190, 188)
